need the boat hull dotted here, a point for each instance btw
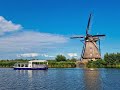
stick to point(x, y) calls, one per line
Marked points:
point(30, 68)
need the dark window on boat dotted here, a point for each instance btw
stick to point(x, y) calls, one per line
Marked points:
point(18, 65)
point(26, 65)
point(22, 65)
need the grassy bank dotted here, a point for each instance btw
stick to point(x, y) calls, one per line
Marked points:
point(51, 64)
point(111, 60)
point(101, 64)
point(62, 64)
point(10, 63)
point(59, 62)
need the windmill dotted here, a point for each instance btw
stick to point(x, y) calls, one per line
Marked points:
point(90, 51)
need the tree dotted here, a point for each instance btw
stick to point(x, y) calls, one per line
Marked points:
point(60, 58)
point(73, 59)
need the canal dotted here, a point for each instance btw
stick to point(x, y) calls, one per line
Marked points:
point(60, 79)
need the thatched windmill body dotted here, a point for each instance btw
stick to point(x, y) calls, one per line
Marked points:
point(90, 51)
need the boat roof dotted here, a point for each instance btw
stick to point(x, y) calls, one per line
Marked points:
point(38, 61)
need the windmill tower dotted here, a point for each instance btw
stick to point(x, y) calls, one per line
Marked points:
point(90, 51)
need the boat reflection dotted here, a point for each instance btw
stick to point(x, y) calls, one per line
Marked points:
point(92, 79)
point(31, 73)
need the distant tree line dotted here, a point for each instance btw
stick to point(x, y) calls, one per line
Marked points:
point(59, 62)
point(111, 60)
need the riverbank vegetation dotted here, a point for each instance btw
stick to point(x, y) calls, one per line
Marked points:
point(111, 60)
point(59, 62)
point(10, 63)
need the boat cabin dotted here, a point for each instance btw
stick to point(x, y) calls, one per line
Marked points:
point(37, 63)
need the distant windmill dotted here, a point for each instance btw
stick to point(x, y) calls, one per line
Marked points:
point(90, 49)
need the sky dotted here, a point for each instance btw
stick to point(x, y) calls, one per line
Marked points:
point(41, 29)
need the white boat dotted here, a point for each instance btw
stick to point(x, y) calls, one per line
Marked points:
point(32, 65)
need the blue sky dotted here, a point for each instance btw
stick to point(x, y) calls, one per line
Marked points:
point(41, 28)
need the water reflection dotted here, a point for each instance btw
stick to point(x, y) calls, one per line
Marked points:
point(60, 79)
point(92, 79)
point(30, 74)
point(21, 72)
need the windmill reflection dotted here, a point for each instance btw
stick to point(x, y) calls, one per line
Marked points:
point(92, 79)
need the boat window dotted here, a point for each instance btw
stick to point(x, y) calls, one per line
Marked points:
point(22, 65)
point(18, 65)
point(26, 65)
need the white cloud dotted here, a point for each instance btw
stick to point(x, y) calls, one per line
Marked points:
point(28, 55)
point(29, 41)
point(21, 43)
point(46, 55)
point(8, 26)
point(72, 54)
point(25, 55)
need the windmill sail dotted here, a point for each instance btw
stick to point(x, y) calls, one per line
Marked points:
point(88, 25)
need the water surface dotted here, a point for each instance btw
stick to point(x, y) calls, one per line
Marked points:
point(60, 79)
